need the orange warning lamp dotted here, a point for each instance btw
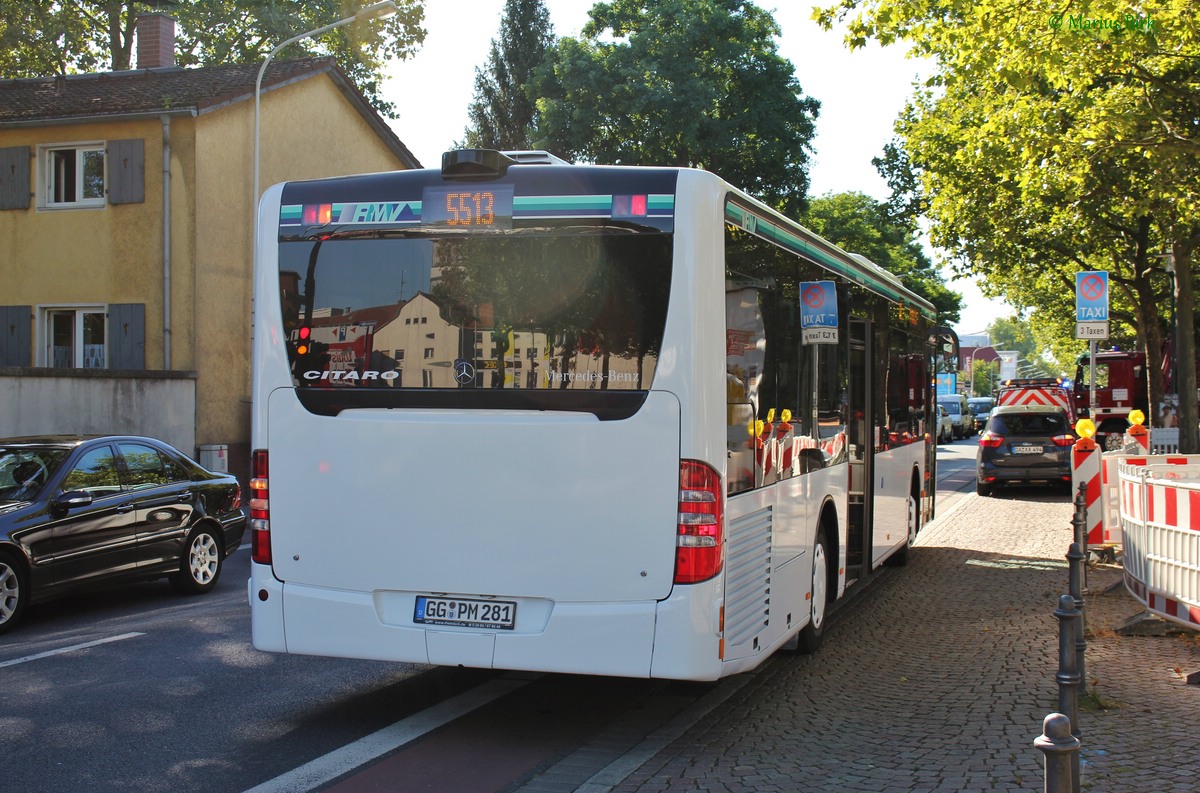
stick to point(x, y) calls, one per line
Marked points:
point(1086, 430)
point(1136, 419)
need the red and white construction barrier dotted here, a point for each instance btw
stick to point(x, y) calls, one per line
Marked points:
point(1085, 469)
point(1137, 440)
point(1160, 525)
point(1107, 531)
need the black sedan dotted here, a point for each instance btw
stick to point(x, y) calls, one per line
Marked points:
point(1024, 444)
point(82, 512)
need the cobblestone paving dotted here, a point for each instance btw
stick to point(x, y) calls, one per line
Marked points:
point(940, 675)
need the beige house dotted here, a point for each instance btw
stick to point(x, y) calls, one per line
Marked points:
point(126, 229)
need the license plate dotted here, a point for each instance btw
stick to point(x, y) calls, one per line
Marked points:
point(466, 613)
point(1027, 449)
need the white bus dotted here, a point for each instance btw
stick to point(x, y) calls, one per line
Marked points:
point(521, 414)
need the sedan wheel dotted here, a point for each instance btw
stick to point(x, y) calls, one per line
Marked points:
point(14, 592)
point(201, 564)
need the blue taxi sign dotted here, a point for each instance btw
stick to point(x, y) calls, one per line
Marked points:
point(1091, 296)
point(1091, 305)
point(818, 312)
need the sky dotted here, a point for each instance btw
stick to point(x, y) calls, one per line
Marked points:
point(861, 94)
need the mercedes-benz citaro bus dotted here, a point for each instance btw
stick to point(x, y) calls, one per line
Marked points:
point(521, 414)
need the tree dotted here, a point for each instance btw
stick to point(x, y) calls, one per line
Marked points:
point(860, 224)
point(983, 377)
point(44, 39)
point(1033, 360)
point(1049, 143)
point(1013, 334)
point(694, 83)
point(502, 113)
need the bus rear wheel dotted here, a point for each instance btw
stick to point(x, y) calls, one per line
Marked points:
point(809, 640)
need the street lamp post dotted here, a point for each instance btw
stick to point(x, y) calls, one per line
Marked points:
point(379, 10)
point(975, 352)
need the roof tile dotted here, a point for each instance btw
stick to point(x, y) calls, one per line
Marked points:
point(141, 91)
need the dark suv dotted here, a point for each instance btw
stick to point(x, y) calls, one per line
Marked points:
point(1024, 444)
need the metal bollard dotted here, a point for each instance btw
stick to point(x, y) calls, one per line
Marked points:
point(1062, 754)
point(1079, 524)
point(1075, 564)
point(1068, 666)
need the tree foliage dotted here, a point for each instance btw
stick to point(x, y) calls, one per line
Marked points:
point(862, 225)
point(1017, 335)
point(44, 39)
point(694, 83)
point(502, 112)
point(1055, 139)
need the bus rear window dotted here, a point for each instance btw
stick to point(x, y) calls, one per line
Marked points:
point(567, 310)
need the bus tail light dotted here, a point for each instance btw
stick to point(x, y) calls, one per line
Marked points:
point(630, 206)
point(317, 214)
point(701, 531)
point(260, 509)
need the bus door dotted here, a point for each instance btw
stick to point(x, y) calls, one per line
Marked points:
point(861, 448)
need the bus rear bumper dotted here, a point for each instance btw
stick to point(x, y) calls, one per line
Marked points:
point(615, 639)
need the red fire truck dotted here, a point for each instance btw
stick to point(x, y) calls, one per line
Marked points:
point(1121, 386)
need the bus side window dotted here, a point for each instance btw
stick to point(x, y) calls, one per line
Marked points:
point(740, 442)
point(745, 354)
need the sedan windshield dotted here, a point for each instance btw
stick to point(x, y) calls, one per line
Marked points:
point(25, 469)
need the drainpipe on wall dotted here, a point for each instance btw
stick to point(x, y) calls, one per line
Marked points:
point(166, 237)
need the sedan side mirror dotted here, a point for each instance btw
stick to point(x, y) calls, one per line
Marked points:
point(72, 499)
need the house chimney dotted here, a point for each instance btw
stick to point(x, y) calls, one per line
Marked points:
point(155, 41)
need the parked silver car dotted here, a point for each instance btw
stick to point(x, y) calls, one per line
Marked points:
point(945, 426)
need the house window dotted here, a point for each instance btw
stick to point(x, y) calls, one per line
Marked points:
point(73, 176)
point(75, 337)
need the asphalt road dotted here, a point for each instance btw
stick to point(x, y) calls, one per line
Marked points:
point(141, 689)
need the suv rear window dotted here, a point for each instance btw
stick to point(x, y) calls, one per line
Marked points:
point(1029, 424)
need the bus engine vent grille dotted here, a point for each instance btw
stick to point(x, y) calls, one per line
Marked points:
point(748, 576)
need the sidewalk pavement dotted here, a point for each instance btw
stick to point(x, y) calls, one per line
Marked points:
point(939, 676)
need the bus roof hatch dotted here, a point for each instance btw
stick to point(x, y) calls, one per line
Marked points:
point(491, 164)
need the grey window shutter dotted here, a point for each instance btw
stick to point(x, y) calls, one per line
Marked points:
point(127, 336)
point(14, 177)
point(15, 348)
point(126, 171)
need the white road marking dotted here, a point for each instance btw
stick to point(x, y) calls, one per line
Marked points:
point(330, 766)
point(70, 649)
